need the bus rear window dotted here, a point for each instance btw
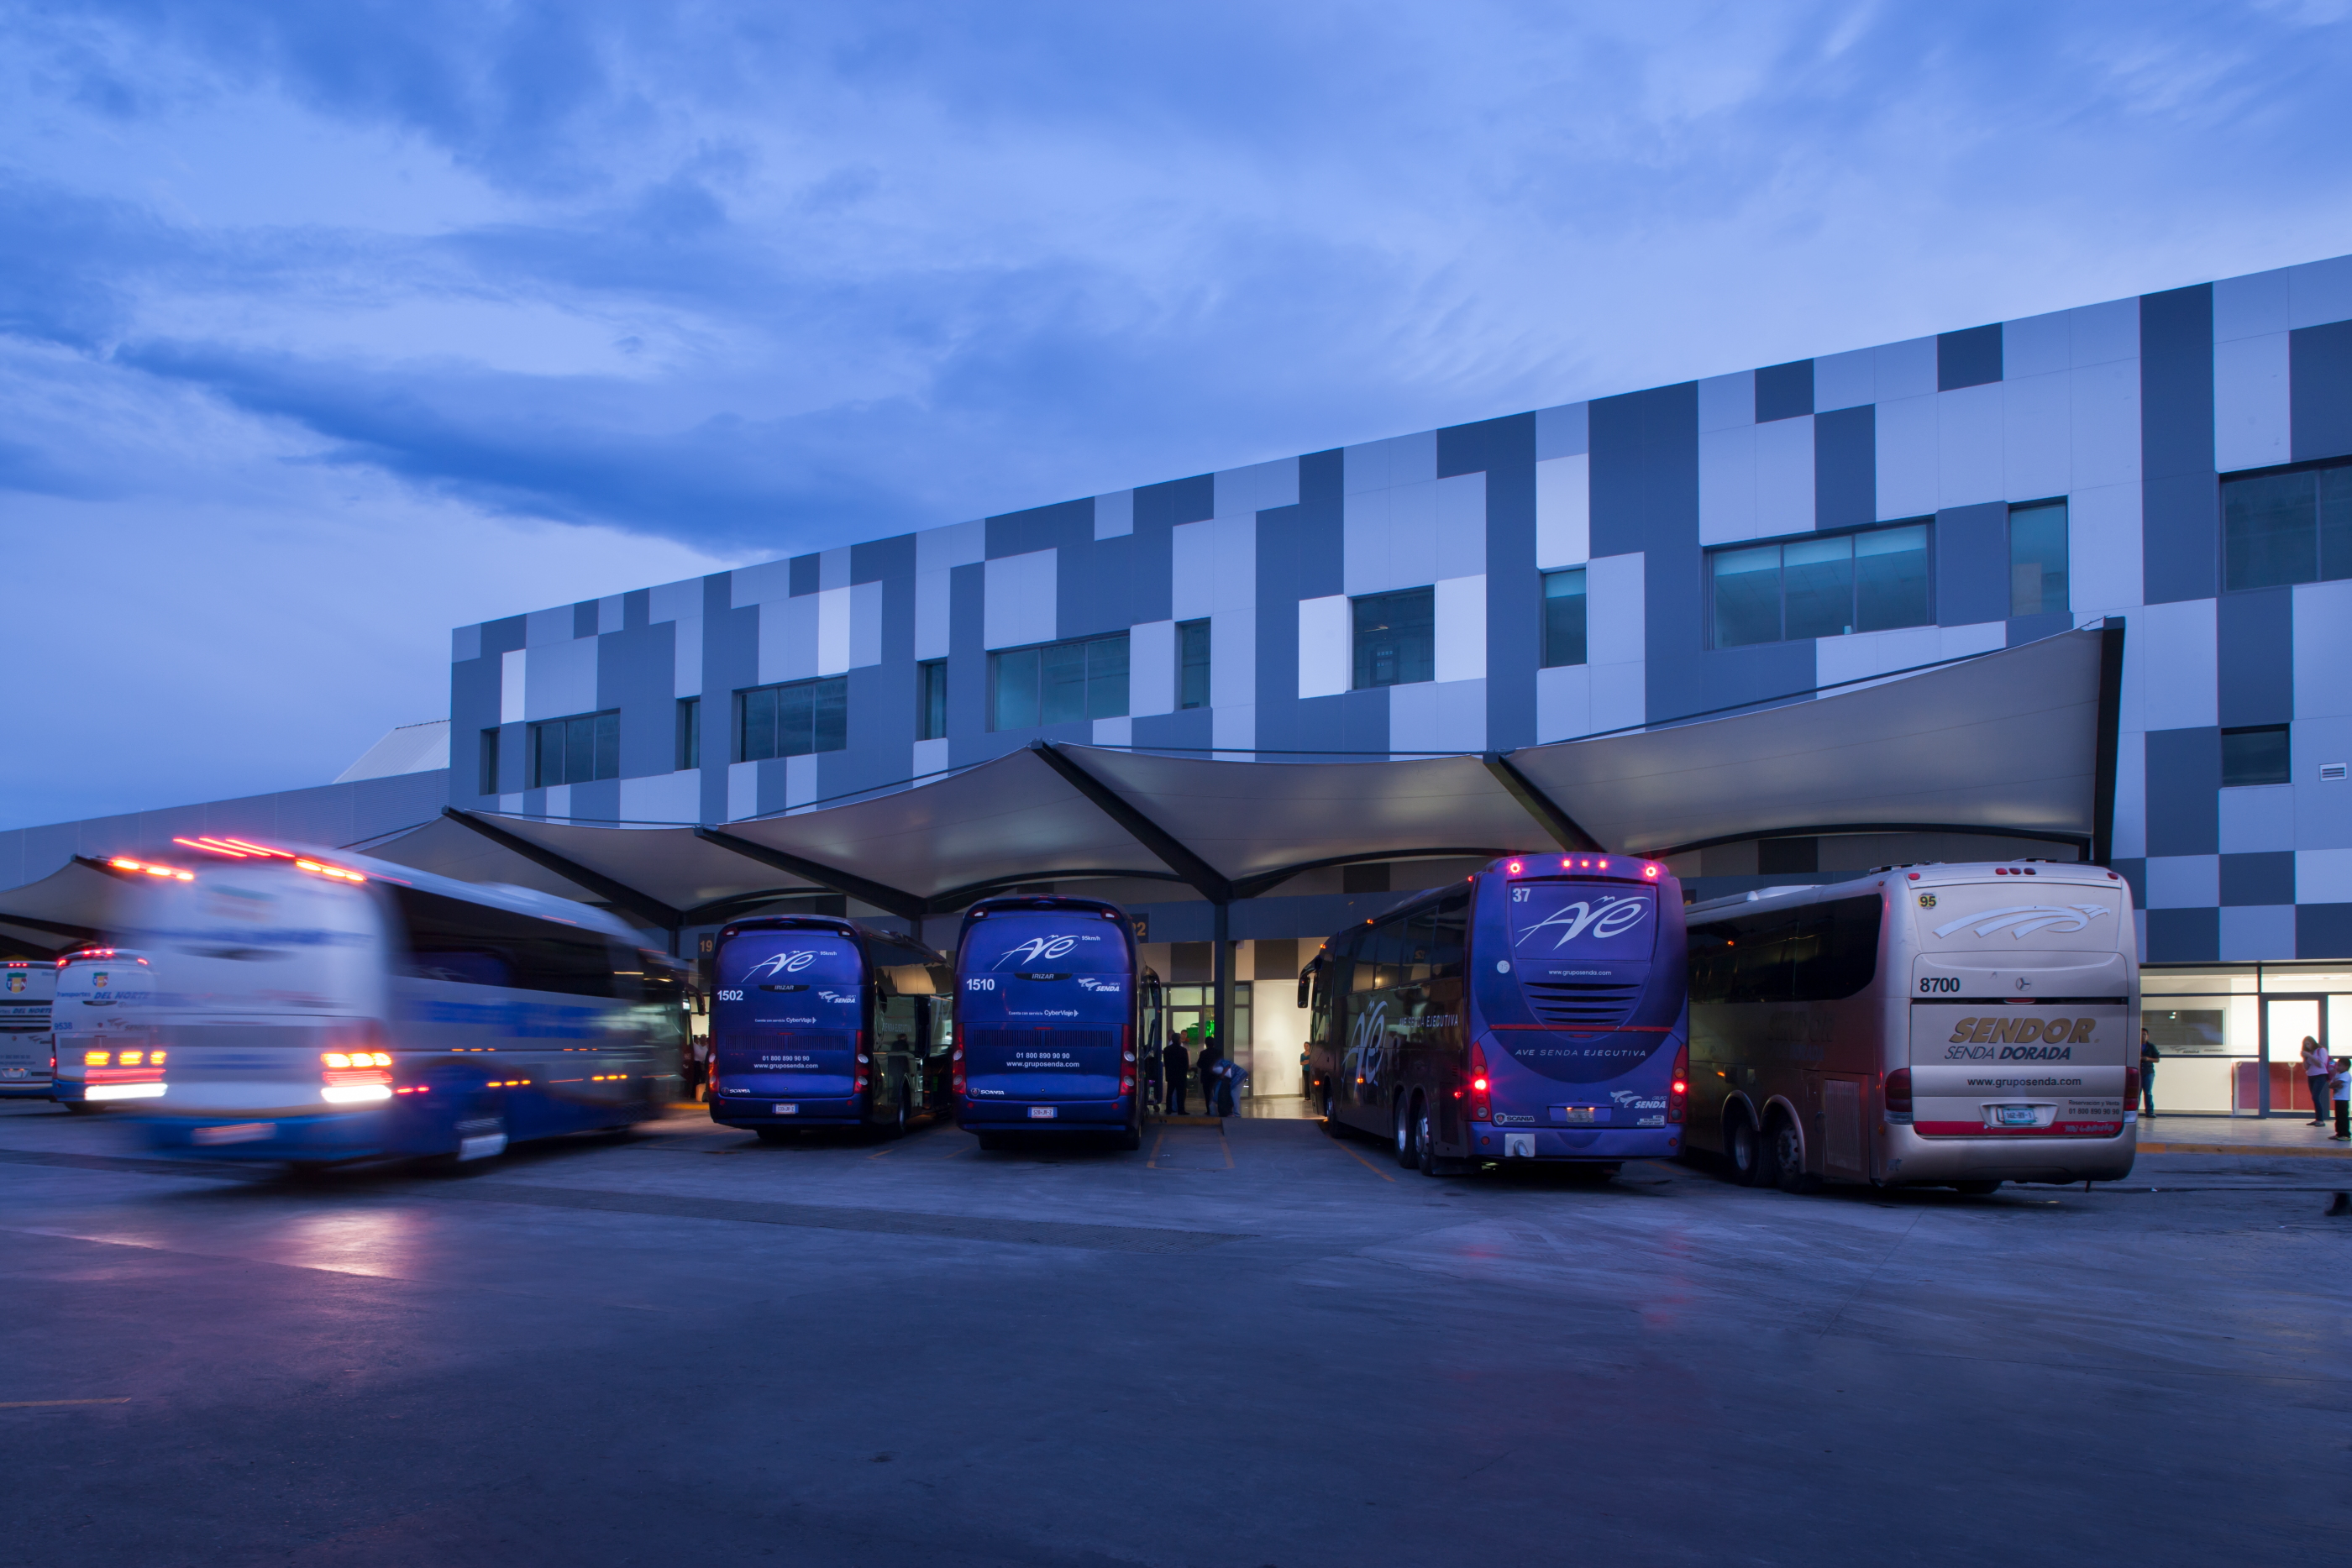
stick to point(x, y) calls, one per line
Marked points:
point(1553, 920)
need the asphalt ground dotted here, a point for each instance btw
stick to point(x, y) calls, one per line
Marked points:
point(1246, 1345)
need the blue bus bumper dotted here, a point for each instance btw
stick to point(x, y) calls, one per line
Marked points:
point(327, 1138)
point(1488, 1142)
point(763, 1110)
point(1068, 1115)
point(25, 1089)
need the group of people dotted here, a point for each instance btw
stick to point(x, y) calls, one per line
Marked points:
point(2330, 1078)
point(1220, 1080)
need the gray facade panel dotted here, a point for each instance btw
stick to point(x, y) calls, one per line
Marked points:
point(2181, 554)
point(636, 673)
point(2184, 786)
point(1784, 392)
point(2183, 935)
point(2265, 878)
point(2254, 633)
point(1505, 451)
point(1845, 465)
point(1971, 568)
point(1969, 358)
point(2323, 930)
point(2319, 380)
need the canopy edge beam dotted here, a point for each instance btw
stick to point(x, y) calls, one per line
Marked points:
point(905, 906)
point(619, 895)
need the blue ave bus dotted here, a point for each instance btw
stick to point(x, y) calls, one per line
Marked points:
point(818, 1021)
point(1534, 1012)
point(314, 1007)
point(1052, 1013)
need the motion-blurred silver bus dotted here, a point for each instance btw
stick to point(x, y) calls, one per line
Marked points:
point(1941, 1025)
point(312, 1006)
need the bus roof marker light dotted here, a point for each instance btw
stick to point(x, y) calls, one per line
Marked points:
point(1514, 869)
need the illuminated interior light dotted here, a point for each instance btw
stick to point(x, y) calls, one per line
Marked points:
point(354, 1093)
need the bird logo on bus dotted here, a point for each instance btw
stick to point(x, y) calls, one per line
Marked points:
point(1037, 948)
point(1603, 918)
point(2024, 919)
point(781, 964)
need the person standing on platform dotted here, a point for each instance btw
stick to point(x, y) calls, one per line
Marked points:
point(2343, 1102)
point(2318, 1071)
point(1174, 1069)
point(2148, 1057)
point(1210, 1056)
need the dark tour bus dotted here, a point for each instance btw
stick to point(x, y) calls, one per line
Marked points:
point(1534, 1012)
point(1052, 1012)
point(817, 1021)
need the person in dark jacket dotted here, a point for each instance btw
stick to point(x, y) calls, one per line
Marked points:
point(2148, 1057)
point(1207, 1068)
point(1175, 1069)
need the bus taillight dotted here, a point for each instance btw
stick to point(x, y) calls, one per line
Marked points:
point(354, 1077)
point(1482, 1100)
point(955, 1063)
point(857, 1049)
point(1678, 1090)
point(1127, 1059)
point(2131, 1087)
point(1898, 1094)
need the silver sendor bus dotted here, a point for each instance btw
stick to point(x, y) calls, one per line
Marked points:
point(1931, 1025)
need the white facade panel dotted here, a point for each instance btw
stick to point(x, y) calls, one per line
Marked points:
point(933, 597)
point(1563, 703)
point(685, 659)
point(1115, 515)
point(788, 636)
point(663, 798)
point(556, 801)
point(1401, 460)
point(832, 625)
point(1620, 697)
point(1905, 370)
point(1152, 666)
point(2131, 795)
point(610, 613)
point(1232, 658)
point(2254, 306)
point(2250, 933)
point(465, 642)
point(1616, 641)
point(2253, 821)
point(1726, 485)
point(2106, 417)
point(2105, 333)
point(1413, 537)
point(1364, 540)
point(1021, 605)
point(1784, 476)
point(957, 544)
point(512, 685)
point(1461, 525)
point(1118, 731)
point(2322, 876)
point(1845, 380)
point(2323, 651)
point(742, 790)
point(1968, 445)
point(1907, 458)
point(929, 756)
point(1325, 635)
point(2319, 292)
point(2102, 550)
point(1726, 401)
point(2168, 666)
point(676, 600)
point(1563, 511)
point(801, 779)
point(832, 568)
point(1232, 730)
point(2037, 346)
point(561, 679)
point(2250, 428)
point(1437, 715)
point(542, 628)
point(1241, 492)
point(2323, 809)
point(770, 582)
point(2037, 456)
point(1460, 603)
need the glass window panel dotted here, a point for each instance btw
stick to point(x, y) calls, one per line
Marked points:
point(1193, 674)
point(1564, 623)
point(792, 720)
point(690, 732)
point(579, 751)
point(2037, 560)
point(1063, 683)
point(2254, 755)
point(1107, 677)
point(546, 755)
point(2336, 522)
point(1817, 585)
point(608, 746)
point(1396, 638)
point(1890, 579)
point(2270, 532)
point(1747, 596)
point(1016, 689)
point(759, 725)
point(932, 723)
point(490, 762)
point(829, 717)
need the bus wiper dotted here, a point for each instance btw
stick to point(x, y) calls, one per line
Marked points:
point(1036, 974)
point(783, 987)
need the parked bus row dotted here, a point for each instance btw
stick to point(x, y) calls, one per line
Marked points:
point(1952, 1024)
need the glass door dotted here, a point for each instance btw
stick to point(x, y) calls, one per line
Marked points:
point(1191, 1018)
point(2287, 1022)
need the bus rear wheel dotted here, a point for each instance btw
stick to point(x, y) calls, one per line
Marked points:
point(1788, 1157)
point(1431, 1166)
point(1331, 1116)
point(1975, 1188)
point(1745, 1145)
point(1407, 1153)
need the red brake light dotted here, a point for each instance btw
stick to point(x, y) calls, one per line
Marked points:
point(1678, 1091)
point(1898, 1094)
point(1127, 1059)
point(955, 1063)
point(1482, 1104)
point(2131, 1088)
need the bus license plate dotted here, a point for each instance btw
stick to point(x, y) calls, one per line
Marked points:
point(1043, 1112)
point(235, 1133)
point(788, 1110)
point(2014, 1115)
point(1572, 1112)
point(12, 1072)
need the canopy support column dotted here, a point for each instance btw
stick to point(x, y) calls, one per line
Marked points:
point(1562, 827)
point(1220, 973)
point(620, 896)
point(907, 906)
point(2110, 721)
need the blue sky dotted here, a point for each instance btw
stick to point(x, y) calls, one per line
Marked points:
point(323, 328)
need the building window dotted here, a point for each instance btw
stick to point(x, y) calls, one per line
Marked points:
point(1060, 682)
point(490, 762)
point(1874, 581)
point(690, 732)
point(1192, 663)
point(931, 700)
point(1564, 623)
point(792, 720)
point(2257, 755)
point(2278, 529)
point(2037, 559)
point(576, 750)
point(1396, 638)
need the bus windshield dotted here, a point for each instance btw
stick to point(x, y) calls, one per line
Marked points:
point(1046, 967)
point(1554, 922)
point(785, 982)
